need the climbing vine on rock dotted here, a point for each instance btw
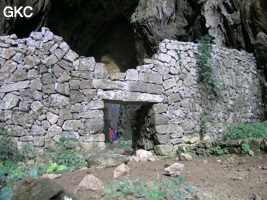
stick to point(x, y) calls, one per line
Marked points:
point(204, 61)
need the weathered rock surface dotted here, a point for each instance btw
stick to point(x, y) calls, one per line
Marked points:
point(90, 182)
point(175, 169)
point(143, 155)
point(41, 188)
point(121, 170)
point(185, 156)
point(108, 159)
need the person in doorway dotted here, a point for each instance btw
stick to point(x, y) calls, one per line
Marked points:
point(111, 133)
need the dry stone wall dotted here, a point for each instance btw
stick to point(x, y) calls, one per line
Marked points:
point(47, 91)
point(189, 107)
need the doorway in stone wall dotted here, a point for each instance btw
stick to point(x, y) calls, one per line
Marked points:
point(131, 122)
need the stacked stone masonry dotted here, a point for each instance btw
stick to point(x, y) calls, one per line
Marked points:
point(47, 91)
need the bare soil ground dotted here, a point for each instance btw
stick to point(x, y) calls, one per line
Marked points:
point(235, 177)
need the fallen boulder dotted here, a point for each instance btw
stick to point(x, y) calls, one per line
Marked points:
point(42, 188)
point(121, 170)
point(103, 160)
point(143, 155)
point(175, 169)
point(90, 182)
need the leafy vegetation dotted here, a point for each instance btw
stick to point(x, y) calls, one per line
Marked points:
point(206, 69)
point(13, 167)
point(69, 158)
point(218, 151)
point(245, 148)
point(8, 151)
point(244, 131)
point(173, 189)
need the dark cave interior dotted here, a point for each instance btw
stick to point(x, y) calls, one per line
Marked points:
point(91, 28)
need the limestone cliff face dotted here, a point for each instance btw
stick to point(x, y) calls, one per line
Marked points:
point(129, 30)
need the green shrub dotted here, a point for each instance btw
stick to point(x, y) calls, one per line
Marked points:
point(69, 158)
point(207, 74)
point(245, 148)
point(173, 189)
point(218, 151)
point(8, 151)
point(244, 131)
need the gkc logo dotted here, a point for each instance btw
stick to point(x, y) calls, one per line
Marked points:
point(20, 11)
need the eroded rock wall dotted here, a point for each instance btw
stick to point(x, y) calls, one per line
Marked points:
point(47, 92)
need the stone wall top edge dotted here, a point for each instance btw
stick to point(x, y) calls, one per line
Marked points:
point(214, 46)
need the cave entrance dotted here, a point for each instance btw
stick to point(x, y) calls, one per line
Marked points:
point(115, 46)
point(99, 29)
point(131, 122)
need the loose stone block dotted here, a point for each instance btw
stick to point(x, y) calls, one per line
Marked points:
point(26, 138)
point(71, 56)
point(48, 78)
point(94, 105)
point(51, 117)
point(108, 84)
point(101, 71)
point(117, 76)
point(151, 77)
point(49, 88)
point(17, 131)
point(174, 97)
point(64, 46)
point(7, 53)
point(72, 125)
point(161, 139)
point(76, 96)
point(10, 101)
point(163, 150)
point(37, 130)
point(52, 59)
point(59, 101)
point(86, 84)
point(95, 125)
point(160, 108)
point(145, 88)
point(53, 131)
point(87, 64)
point(59, 53)
point(164, 58)
point(90, 114)
point(159, 119)
point(15, 86)
point(169, 83)
point(74, 84)
point(32, 74)
point(38, 141)
point(8, 67)
point(131, 75)
point(36, 35)
point(84, 74)
point(48, 36)
point(36, 106)
point(164, 129)
point(64, 77)
point(63, 89)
